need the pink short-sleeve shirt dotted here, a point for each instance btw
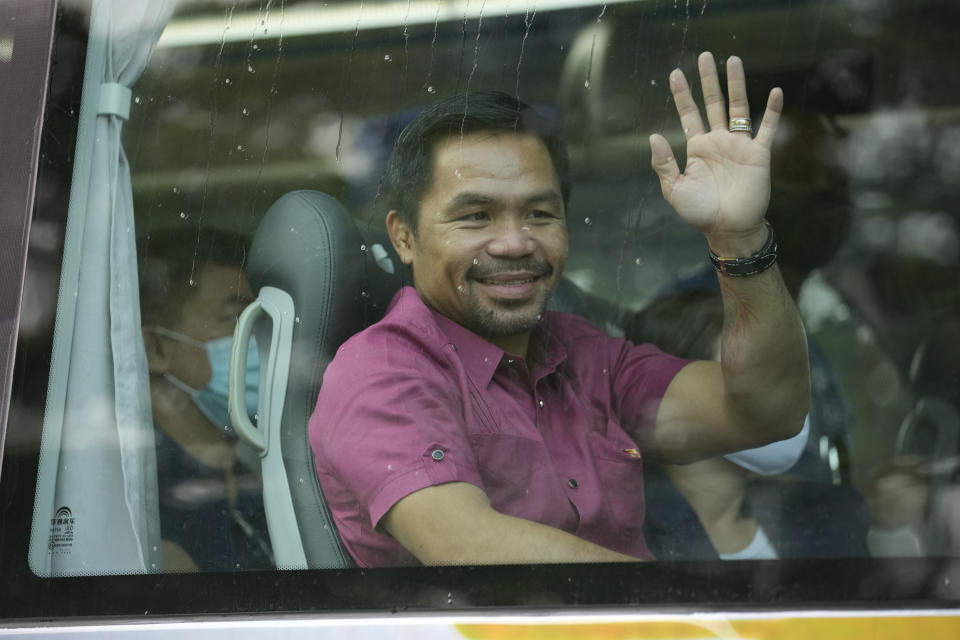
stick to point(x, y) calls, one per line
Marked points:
point(417, 400)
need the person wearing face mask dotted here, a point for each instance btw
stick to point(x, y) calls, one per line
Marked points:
point(192, 289)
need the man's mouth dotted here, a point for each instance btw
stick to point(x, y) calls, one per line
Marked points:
point(512, 280)
point(506, 281)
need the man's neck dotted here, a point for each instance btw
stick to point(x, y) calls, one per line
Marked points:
point(514, 345)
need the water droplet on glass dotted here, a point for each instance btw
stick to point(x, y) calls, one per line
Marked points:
point(239, 147)
point(137, 100)
point(587, 221)
point(605, 372)
point(476, 261)
point(458, 174)
point(449, 598)
point(430, 89)
point(459, 288)
point(363, 247)
point(176, 190)
point(300, 480)
point(638, 261)
point(244, 111)
point(389, 467)
point(297, 319)
point(686, 129)
point(183, 215)
point(255, 47)
point(227, 81)
point(387, 57)
point(192, 282)
point(364, 294)
point(586, 84)
point(734, 36)
point(653, 83)
point(250, 69)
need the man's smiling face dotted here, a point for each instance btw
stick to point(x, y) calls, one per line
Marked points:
point(492, 238)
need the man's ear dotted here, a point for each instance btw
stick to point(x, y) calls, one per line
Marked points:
point(401, 236)
point(158, 360)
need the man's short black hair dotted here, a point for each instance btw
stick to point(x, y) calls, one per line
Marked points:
point(170, 261)
point(409, 170)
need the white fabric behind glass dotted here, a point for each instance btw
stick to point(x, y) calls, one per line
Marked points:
point(97, 454)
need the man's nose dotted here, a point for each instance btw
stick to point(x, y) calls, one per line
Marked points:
point(512, 239)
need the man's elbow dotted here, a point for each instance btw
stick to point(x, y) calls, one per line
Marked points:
point(786, 417)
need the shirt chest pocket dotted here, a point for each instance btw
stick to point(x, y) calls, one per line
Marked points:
point(619, 467)
point(520, 480)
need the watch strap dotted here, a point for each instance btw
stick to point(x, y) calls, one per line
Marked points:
point(751, 265)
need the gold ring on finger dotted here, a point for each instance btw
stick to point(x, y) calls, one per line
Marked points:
point(741, 124)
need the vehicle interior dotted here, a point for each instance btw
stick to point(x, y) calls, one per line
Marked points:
point(227, 157)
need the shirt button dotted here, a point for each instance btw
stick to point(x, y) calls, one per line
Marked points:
point(572, 483)
point(437, 455)
point(509, 360)
point(540, 402)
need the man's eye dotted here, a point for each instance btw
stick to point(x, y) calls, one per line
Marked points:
point(476, 216)
point(540, 213)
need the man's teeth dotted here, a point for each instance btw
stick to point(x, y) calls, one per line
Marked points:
point(507, 283)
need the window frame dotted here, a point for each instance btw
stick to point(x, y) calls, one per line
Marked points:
point(783, 586)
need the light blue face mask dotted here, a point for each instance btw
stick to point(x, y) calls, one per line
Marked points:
point(212, 399)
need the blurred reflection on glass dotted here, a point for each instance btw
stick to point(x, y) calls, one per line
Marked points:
point(192, 288)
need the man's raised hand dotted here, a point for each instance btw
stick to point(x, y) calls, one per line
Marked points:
point(725, 187)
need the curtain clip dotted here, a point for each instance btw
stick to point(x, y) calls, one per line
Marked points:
point(115, 100)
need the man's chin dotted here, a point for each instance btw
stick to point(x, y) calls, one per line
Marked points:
point(508, 318)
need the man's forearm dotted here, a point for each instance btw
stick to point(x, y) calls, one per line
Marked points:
point(763, 348)
point(510, 540)
point(454, 524)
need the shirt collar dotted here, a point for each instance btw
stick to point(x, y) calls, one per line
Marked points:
point(481, 357)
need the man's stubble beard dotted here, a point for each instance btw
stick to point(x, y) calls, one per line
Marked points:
point(497, 320)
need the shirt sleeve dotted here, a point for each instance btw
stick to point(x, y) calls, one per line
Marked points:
point(640, 375)
point(389, 421)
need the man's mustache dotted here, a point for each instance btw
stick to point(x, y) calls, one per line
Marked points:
point(495, 267)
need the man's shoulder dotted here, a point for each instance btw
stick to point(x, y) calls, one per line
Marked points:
point(570, 328)
point(407, 327)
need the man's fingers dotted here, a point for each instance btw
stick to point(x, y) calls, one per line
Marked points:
point(771, 117)
point(713, 98)
point(664, 163)
point(686, 107)
point(737, 88)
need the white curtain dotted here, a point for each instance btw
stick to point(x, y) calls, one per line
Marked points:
point(96, 504)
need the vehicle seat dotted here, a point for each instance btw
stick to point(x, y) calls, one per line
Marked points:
point(339, 279)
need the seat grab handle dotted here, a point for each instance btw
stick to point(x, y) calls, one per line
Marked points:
point(278, 305)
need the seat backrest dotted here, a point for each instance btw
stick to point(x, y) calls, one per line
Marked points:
point(339, 278)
